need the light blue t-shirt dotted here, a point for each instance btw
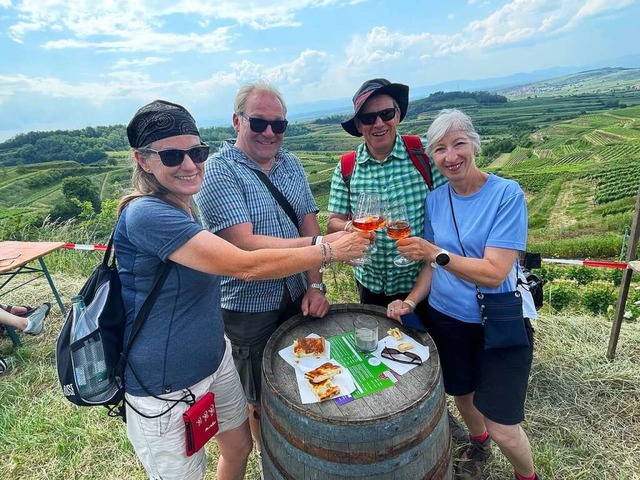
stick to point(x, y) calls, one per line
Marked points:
point(494, 216)
point(182, 340)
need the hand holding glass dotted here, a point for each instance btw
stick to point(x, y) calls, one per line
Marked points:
point(367, 217)
point(398, 227)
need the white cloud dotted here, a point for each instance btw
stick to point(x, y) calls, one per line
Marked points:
point(125, 18)
point(140, 62)
point(147, 41)
point(514, 23)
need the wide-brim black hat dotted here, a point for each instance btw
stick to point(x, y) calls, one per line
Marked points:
point(370, 88)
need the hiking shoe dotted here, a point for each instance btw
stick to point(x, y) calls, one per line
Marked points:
point(459, 434)
point(473, 459)
point(35, 321)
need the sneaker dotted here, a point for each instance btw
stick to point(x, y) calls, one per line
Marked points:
point(459, 434)
point(473, 459)
point(5, 363)
point(35, 321)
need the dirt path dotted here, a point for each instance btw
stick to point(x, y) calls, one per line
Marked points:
point(573, 204)
point(501, 160)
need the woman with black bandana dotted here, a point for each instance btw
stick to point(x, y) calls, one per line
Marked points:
point(181, 348)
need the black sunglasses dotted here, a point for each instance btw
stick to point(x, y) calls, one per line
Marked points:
point(172, 157)
point(401, 357)
point(370, 118)
point(259, 125)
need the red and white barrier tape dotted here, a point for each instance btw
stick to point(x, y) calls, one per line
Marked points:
point(78, 246)
point(586, 263)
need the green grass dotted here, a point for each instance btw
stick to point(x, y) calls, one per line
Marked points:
point(581, 411)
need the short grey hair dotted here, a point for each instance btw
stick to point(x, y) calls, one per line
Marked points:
point(260, 86)
point(452, 119)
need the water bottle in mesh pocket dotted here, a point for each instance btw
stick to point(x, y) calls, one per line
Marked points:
point(90, 369)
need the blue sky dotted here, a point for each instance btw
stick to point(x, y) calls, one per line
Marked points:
point(67, 64)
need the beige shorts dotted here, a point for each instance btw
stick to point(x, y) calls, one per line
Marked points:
point(160, 442)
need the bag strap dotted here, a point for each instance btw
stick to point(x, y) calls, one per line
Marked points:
point(416, 152)
point(455, 224)
point(347, 164)
point(419, 157)
point(161, 275)
point(280, 198)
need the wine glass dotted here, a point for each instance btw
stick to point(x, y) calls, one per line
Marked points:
point(398, 227)
point(368, 215)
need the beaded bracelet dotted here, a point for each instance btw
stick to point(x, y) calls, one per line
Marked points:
point(324, 265)
point(330, 253)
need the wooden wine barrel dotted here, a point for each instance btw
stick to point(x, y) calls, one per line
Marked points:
point(400, 432)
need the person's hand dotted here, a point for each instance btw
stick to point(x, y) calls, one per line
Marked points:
point(350, 246)
point(332, 237)
point(416, 249)
point(397, 308)
point(314, 303)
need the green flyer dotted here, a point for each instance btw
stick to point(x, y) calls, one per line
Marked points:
point(369, 374)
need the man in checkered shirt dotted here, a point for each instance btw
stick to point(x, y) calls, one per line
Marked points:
point(382, 165)
point(237, 206)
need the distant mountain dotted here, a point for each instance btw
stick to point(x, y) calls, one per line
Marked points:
point(590, 81)
point(307, 111)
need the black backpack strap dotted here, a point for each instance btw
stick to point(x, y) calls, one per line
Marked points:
point(161, 275)
point(280, 198)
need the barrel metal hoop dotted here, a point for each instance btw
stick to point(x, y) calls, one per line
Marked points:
point(340, 456)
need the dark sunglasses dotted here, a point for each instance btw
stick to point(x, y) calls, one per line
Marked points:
point(401, 357)
point(259, 125)
point(370, 118)
point(172, 157)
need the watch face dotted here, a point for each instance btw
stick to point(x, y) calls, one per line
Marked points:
point(442, 259)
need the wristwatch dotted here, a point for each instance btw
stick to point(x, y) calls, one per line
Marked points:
point(442, 258)
point(320, 286)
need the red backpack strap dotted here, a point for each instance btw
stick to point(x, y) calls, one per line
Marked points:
point(419, 157)
point(347, 164)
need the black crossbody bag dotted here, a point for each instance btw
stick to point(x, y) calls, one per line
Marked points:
point(501, 313)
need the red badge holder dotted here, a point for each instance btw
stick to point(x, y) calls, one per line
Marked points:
point(200, 422)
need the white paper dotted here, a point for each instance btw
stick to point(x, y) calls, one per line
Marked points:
point(302, 365)
point(398, 367)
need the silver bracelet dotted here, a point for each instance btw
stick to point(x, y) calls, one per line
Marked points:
point(323, 267)
point(330, 253)
point(347, 225)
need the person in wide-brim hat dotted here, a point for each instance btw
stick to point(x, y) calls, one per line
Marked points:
point(370, 88)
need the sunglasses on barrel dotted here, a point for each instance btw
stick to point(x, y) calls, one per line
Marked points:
point(401, 357)
point(370, 118)
point(172, 157)
point(259, 125)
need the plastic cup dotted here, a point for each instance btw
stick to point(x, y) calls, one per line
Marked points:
point(366, 333)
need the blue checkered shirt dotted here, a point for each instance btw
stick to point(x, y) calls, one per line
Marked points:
point(399, 179)
point(232, 194)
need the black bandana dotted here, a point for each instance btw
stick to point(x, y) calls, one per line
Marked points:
point(157, 120)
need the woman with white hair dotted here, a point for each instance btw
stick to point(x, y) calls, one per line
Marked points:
point(474, 229)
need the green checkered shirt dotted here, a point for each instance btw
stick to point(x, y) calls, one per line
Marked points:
point(399, 179)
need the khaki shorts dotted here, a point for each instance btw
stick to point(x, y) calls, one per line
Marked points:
point(160, 442)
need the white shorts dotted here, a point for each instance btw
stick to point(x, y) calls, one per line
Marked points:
point(160, 442)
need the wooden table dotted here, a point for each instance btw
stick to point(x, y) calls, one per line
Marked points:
point(14, 260)
point(400, 432)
